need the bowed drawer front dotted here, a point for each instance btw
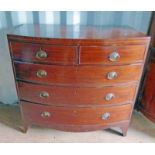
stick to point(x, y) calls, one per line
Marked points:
point(77, 75)
point(112, 55)
point(84, 96)
point(77, 79)
point(75, 116)
point(43, 53)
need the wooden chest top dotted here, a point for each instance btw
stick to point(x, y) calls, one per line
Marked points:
point(78, 35)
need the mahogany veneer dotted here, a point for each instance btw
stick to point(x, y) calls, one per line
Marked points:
point(99, 55)
point(77, 78)
point(74, 115)
point(55, 53)
point(77, 75)
point(80, 96)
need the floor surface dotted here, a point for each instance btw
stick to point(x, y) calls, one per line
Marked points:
point(141, 130)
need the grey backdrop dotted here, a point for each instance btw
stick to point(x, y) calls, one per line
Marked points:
point(138, 20)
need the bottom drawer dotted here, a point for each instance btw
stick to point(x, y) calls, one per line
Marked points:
point(48, 115)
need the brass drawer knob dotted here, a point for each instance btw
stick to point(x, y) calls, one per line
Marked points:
point(111, 75)
point(45, 114)
point(114, 56)
point(41, 73)
point(109, 96)
point(41, 54)
point(105, 116)
point(44, 94)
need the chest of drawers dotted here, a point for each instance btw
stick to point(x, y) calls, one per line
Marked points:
point(77, 78)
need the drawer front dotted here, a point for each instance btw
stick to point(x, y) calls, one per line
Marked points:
point(43, 53)
point(111, 55)
point(41, 114)
point(77, 75)
point(53, 95)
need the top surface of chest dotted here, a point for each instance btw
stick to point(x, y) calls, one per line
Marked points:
point(77, 35)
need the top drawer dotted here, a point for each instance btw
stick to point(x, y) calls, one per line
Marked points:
point(43, 53)
point(111, 55)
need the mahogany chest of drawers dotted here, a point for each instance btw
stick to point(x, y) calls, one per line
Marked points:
point(77, 78)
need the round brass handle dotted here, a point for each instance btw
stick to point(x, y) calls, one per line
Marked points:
point(45, 114)
point(41, 54)
point(114, 56)
point(111, 75)
point(105, 116)
point(41, 73)
point(44, 94)
point(109, 96)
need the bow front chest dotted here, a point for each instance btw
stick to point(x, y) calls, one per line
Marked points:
point(77, 78)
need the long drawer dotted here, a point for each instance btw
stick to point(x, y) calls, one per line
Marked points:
point(77, 75)
point(58, 95)
point(44, 53)
point(45, 115)
point(112, 55)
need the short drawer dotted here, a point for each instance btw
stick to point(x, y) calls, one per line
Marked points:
point(77, 75)
point(112, 55)
point(45, 115)
point(43, 53)
point(58, 95)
